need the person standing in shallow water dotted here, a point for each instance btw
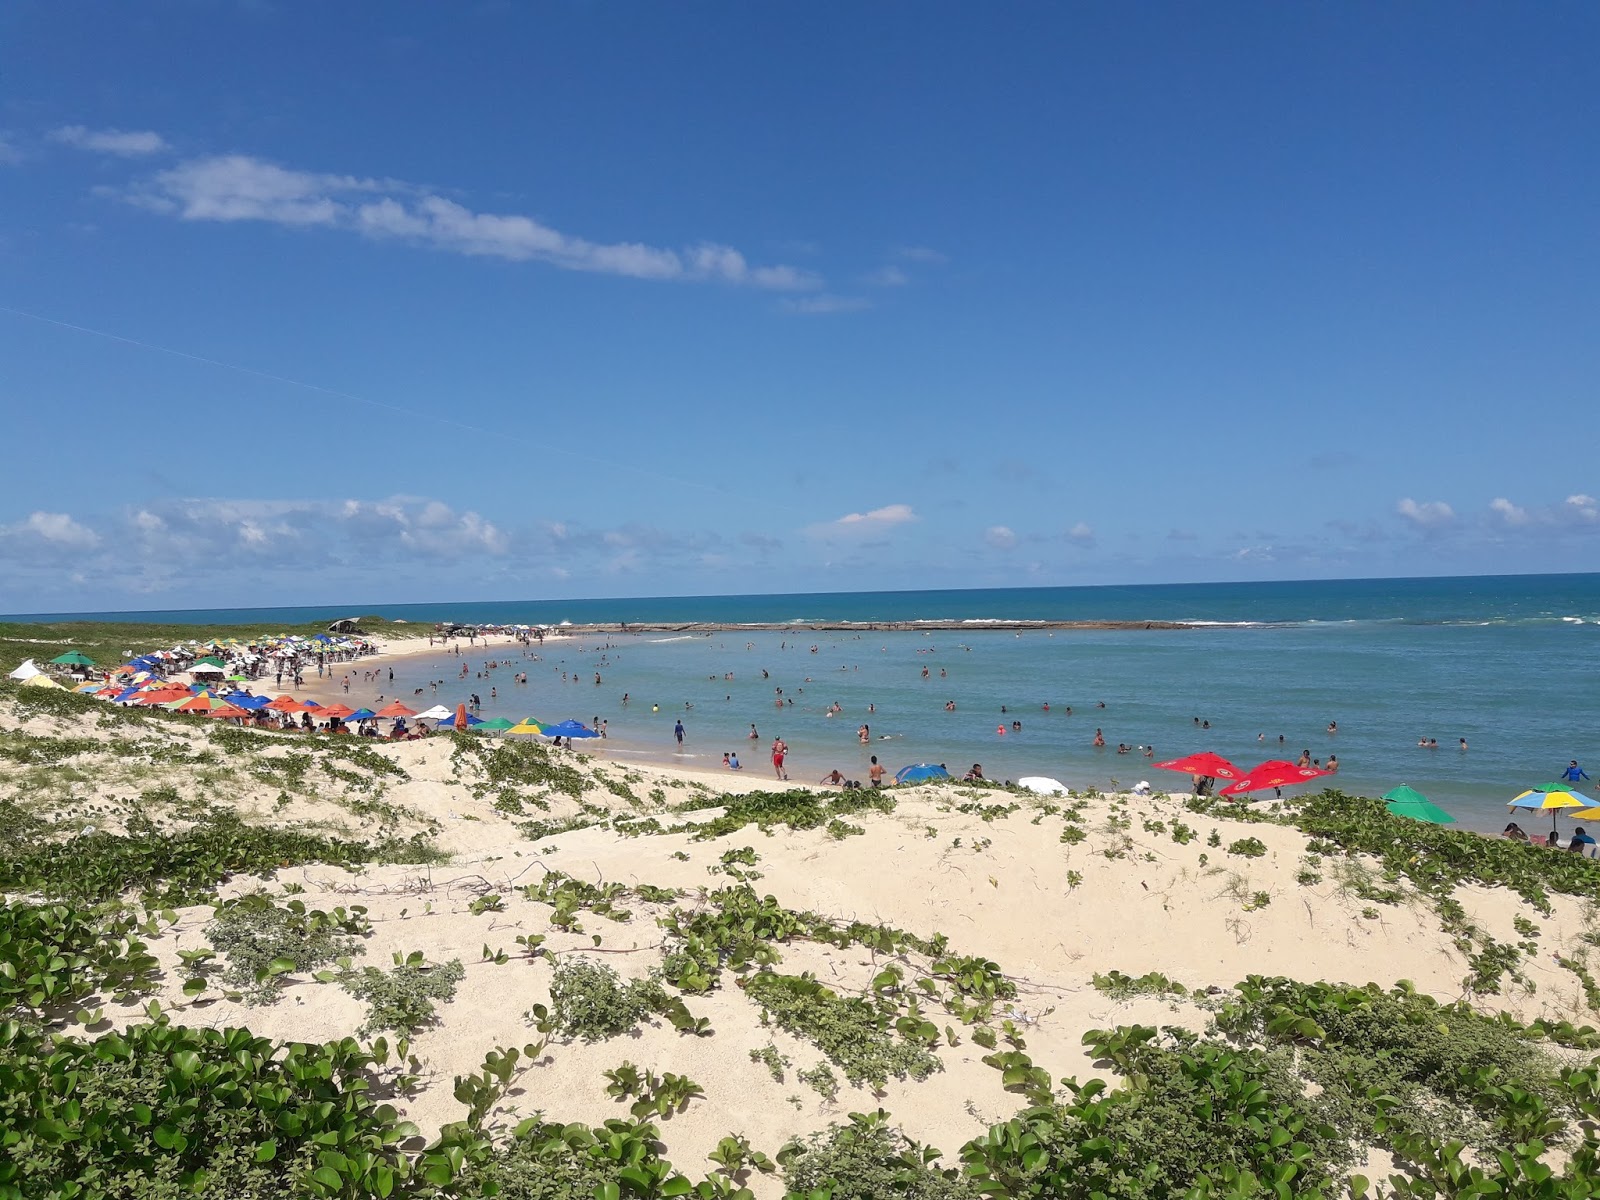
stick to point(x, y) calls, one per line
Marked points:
point(677, 732)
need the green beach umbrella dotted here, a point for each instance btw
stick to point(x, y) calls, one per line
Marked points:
point(74, 658)
point(212, 662)
point(497, 725)
point(1406, 801)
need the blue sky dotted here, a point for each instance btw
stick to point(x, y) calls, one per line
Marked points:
point(493, 301)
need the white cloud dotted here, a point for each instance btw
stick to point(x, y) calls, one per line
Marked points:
point(56, 529)
point(239, 187)
point(124, 143)
point(1427, 515)
point(1000, 537)
point(888, 277)
point(1082, 533)
point(1508, 512)
point(889, 514)
point(1583, 507)
point(864, 524)
point(827, 304)
point(1254, 554)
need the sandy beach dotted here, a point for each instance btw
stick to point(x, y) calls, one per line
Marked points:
point(1054, 891)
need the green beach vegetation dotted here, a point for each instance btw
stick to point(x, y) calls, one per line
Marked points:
point(155, 909)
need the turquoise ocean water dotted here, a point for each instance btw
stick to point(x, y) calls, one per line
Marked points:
point(1510, 663)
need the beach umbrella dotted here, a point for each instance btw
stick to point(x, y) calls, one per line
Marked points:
point(1203, 763)
point(227, 710)
point(1551, 798)
point(163, 695)
point(366, 714)
point(1274, 773)
point(1041, 785)
point(284, 703)
point(396, 710)
point(73, 658)
point(461, 721)
point(25, 672)
point(497, 725)
point(437, 713)
point(918, 772)
point(337, 710)
point(40, 681)
point(454, 722)
point(1406, 801)
point(568, 729)
point(205, 668)
point(526, 726)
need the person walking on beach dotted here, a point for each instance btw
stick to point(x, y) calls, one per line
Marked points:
point(677, 732)
point(1574, 773)
point(779, 753)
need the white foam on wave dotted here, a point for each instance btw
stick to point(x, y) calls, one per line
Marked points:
point(682, 637)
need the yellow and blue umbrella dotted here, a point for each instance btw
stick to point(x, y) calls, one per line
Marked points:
point(1551, 798)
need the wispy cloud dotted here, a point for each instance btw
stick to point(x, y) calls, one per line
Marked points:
point(1000, 537)
point(1507, 512)
point(1082, 533)
point(826, 304)
point(890, 276)
point(239, 187)
point(1429, 514)
point(1579, 512)
point(122, 142)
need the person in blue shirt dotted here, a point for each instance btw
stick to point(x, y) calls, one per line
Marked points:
point(1574, 773)
point(1581, 841)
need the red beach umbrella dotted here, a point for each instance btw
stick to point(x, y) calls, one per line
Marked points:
point(397, 710)
point(227, 710)
point(337, 710)
point(1204, 763)
point(161, 695)
point(1274, 773)
point(284, 703)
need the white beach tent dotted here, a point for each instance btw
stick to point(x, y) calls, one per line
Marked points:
point(26, 671)
point(206, 669)
point(437, 713)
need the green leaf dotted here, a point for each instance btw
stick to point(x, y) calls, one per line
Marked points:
point(266, 1152)
point(193, 987)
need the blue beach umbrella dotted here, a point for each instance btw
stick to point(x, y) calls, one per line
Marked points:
point(361, 714)
point(568, 729)
point(450, 721)
point(918, 772)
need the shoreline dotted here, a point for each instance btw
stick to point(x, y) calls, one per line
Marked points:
point(936, 626)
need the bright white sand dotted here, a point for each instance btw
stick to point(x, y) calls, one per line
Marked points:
point(1003, 892)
